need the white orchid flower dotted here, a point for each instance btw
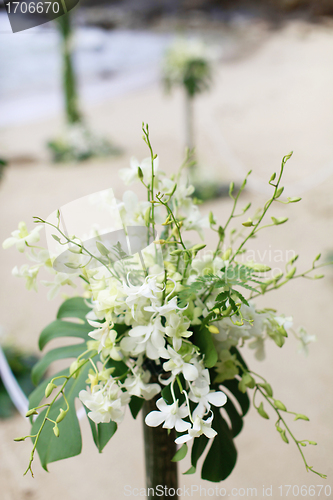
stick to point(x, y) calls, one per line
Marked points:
point(29, 273)
point(199, 427)
point(215, 398)
point(106, 337)
point(21, 236)
point(106, 403)
point(145, 338)
point(305, 339)
point(137, 385)
point(171, 415)
point(130, 175)
point(60, 280)
point(177, 364)
point(285, 322)
point(177, 328)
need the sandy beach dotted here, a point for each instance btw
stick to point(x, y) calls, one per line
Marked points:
point(276, 98)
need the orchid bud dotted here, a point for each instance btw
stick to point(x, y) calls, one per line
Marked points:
point(279, 405)
point(279, 192)
point(49, 389)
point(262, 412)
point(301, 417)
point(31, 412)
point(294, 200)
point(248, 223)
point(61, 415)
point(227, 254)
point(211, 219)
point(279, 220)
point(291, 273)
point(284, 437)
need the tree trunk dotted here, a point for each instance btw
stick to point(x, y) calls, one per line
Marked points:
point(73, 114)
point(160, 447)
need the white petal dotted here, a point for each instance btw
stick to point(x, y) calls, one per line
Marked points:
point(182, 426)
point(162, 406)
point(183, 439)
point(217, 398)
point(170, 421)
point(190, 372)
point(208, 431)
point(8, 243)
point(154, 418)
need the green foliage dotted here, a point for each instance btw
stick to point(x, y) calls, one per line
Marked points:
point(69, 443)
point(60, 328)
point(135, 405)
point(75, 309)
point(180, 454)
point(231, 276)
point(202, 338)
point(222, 455)
point(102, 433)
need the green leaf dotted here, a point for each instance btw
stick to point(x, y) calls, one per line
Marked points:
point(222, 455)
point(191, 470)
point(202, 338)
point(198, 447)
point(105, 433)
point(241, 297)
point(234, 350)
point(69, 444)
point(71, 351)
point(166, 392)
point(135, 405)
point(243, 400)
point(38, 394)
point(102, 249)
point(119, 367)
point(75, 307)
point(59, 328)
point(235, 418)
point(180, 454)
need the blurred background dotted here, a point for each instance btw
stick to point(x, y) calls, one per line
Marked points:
point(72, 100)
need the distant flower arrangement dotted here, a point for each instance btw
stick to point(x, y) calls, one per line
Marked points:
point(189, 63)
point(157, 317)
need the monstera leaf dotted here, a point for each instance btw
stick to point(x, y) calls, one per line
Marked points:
point(221, 457)
point(75, 309)
point(71, 322)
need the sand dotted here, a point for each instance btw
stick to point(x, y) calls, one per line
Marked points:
point(276, 98)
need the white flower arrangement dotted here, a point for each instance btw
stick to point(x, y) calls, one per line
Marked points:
point(163, 321)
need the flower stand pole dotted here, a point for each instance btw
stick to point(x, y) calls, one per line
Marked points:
point(69, 80)
point(160, 448)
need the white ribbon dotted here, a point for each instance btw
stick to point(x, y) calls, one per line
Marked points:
point(14, 390)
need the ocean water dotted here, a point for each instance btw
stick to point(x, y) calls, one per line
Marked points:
point(108, 64)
